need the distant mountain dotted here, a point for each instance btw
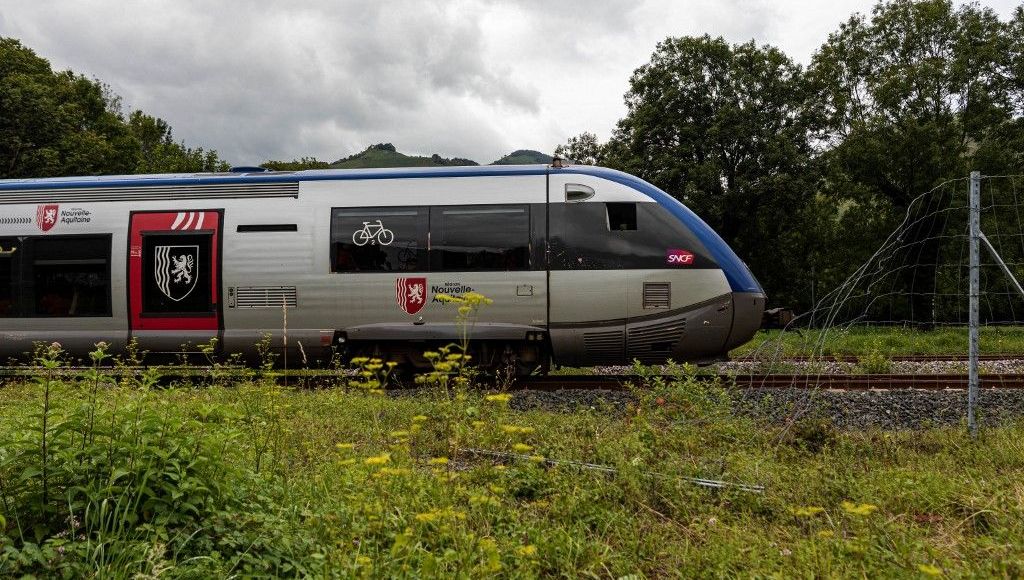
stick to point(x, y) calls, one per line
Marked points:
point(524, 157)
point(385, 155)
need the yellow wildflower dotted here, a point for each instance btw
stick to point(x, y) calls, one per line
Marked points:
point(484, 500)
point(862, 509)
point(419, 418)
point(538, 458)
point(929, 570)
point(344, 446)
point(388, 471)
point(806, 511)
point(528, 551)
point(363, 561)
point(378, 459)
point(399, 434)
point(498, 398)
point(522, 448)
point(478, 424)
point(438, 461)
point(826, 534)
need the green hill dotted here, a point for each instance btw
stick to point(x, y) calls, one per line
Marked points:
point(385, 155)
point(523, 157)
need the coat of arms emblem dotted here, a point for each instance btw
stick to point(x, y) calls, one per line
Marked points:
point(175, 270)
point(46, 216)
point(411, 294)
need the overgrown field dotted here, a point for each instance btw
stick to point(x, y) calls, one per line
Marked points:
point(250, 479)
point(882, 340)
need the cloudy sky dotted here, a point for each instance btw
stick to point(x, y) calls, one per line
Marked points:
point(323, 78)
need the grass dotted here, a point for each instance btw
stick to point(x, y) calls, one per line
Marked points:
point(251, 479)
point(884, 340)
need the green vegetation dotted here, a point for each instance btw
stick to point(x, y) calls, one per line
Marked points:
point(803, 171)
point(98, 479)
point(523, 157)
point(385, 155)
point(867, 341)
point(59, 123)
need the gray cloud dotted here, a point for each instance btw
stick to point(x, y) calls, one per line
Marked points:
point(468, 78)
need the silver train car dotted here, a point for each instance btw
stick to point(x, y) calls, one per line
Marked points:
point(584, 265)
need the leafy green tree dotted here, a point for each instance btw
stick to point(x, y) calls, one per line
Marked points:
point(725, 128)
point(60, 123)
point(159, 153)
point(56, 123)
point(296, 165)
point(584, 148)
point(908, 98)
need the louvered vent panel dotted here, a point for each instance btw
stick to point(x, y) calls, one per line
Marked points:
point(153, 192)
point(657, 294)
point(605, 347)
point(655, 340)
point(265, 296)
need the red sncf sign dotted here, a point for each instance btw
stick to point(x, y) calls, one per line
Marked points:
point(679, 258)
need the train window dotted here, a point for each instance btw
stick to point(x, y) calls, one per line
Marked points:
point(613, 236)
point(621, 216)
point(480, 238)
point(66, 276)
point(177, 273)
point(381, 239)
point(10, 255)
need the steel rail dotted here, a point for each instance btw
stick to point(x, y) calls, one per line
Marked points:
point(329, 379)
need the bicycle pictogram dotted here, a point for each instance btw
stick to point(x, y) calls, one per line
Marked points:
point(373, 232)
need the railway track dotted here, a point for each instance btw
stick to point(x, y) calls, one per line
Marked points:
point(789, 381)
point(328, 379)
point(895, 358)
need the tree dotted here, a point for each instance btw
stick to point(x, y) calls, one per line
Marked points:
point(158, 152)
point(725, 129)
point(908, 98)
point(60, 123)
point(297, 164)
point(584, 149)
point(55, 123)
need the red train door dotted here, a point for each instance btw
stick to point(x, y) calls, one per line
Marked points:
point(174, 278)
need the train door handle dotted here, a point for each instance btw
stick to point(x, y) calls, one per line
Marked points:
point(524, 290)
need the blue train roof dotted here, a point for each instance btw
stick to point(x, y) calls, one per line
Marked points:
point(267, 176)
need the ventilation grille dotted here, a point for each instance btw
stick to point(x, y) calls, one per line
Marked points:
point(265, 296)
point(605, 347)
point(657, 294)
point(153, 192)
point(656, 340)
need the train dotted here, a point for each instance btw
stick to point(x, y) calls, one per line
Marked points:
point(584, 266)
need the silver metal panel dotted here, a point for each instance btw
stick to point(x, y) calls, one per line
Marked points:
point(436, 191)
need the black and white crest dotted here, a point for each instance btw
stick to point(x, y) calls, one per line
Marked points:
point(176, 270)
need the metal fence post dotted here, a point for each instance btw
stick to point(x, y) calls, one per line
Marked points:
point(973, 299)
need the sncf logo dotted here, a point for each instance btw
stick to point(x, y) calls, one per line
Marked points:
point(679, 258)
point(46, 216)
